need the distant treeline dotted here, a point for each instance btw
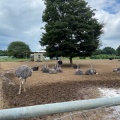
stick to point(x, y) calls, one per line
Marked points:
point(105, 53)
point(3, 53)
point(108, 51)
point(104, 56)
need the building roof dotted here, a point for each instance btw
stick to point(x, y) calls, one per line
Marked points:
point(42, 51)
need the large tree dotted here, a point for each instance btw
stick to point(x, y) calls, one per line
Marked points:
point(71, 28)
point(18, 49)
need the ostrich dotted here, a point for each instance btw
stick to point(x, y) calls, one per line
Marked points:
point(78, 71)
point(35, 68)
point(110, 58)
point(76, 66)
point(23, 72)
point(91, 71)
point(116, 70)
point(55, 66)
point(53, 70)
point(59, 62)
point(59, 69)
point(45, 69)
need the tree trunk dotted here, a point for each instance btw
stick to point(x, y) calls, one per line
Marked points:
point(71, 63)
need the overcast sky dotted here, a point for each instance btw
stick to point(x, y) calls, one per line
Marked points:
point(21, 20)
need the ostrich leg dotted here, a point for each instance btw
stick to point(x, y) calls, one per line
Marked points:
point(24, 85)
point(20, 87)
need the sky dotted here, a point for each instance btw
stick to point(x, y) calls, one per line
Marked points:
point(21, 20)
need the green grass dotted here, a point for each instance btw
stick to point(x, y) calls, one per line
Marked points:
point(13, 60)
point(101, 56)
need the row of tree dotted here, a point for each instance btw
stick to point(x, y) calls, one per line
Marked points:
point(19, 49)
point(108, 51)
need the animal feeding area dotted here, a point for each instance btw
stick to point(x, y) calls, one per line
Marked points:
point(45, 88)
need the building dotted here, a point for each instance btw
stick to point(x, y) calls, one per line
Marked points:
point(38, 56)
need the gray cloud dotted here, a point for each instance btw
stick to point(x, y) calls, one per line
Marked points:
point(21, 20)
point(108, 12)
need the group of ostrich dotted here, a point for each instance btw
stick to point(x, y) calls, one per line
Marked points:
point(24, 71)
point(90, 71)
point(54, 70)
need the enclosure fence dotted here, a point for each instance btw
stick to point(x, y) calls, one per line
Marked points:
point(54, 108)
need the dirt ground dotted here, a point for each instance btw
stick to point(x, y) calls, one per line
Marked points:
point(43, 88)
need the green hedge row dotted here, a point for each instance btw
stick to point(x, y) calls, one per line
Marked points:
point(103, 56)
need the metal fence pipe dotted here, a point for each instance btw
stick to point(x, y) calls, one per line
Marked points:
point(53, 108)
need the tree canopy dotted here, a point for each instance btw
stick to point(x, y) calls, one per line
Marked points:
point(109, 50)
point(3, 52)
point(71, 29)
point(18, 49)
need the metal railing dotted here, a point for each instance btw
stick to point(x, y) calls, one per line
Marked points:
point(54, 108)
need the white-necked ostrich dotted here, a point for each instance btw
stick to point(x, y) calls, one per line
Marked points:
point(78, 71)
point(91, 71)
point(45, 69)
point(53, 70)
point(23, 72)
point(116, 70)
point(58, 68)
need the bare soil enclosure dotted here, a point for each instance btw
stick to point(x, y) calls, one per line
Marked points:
point(43, 88)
